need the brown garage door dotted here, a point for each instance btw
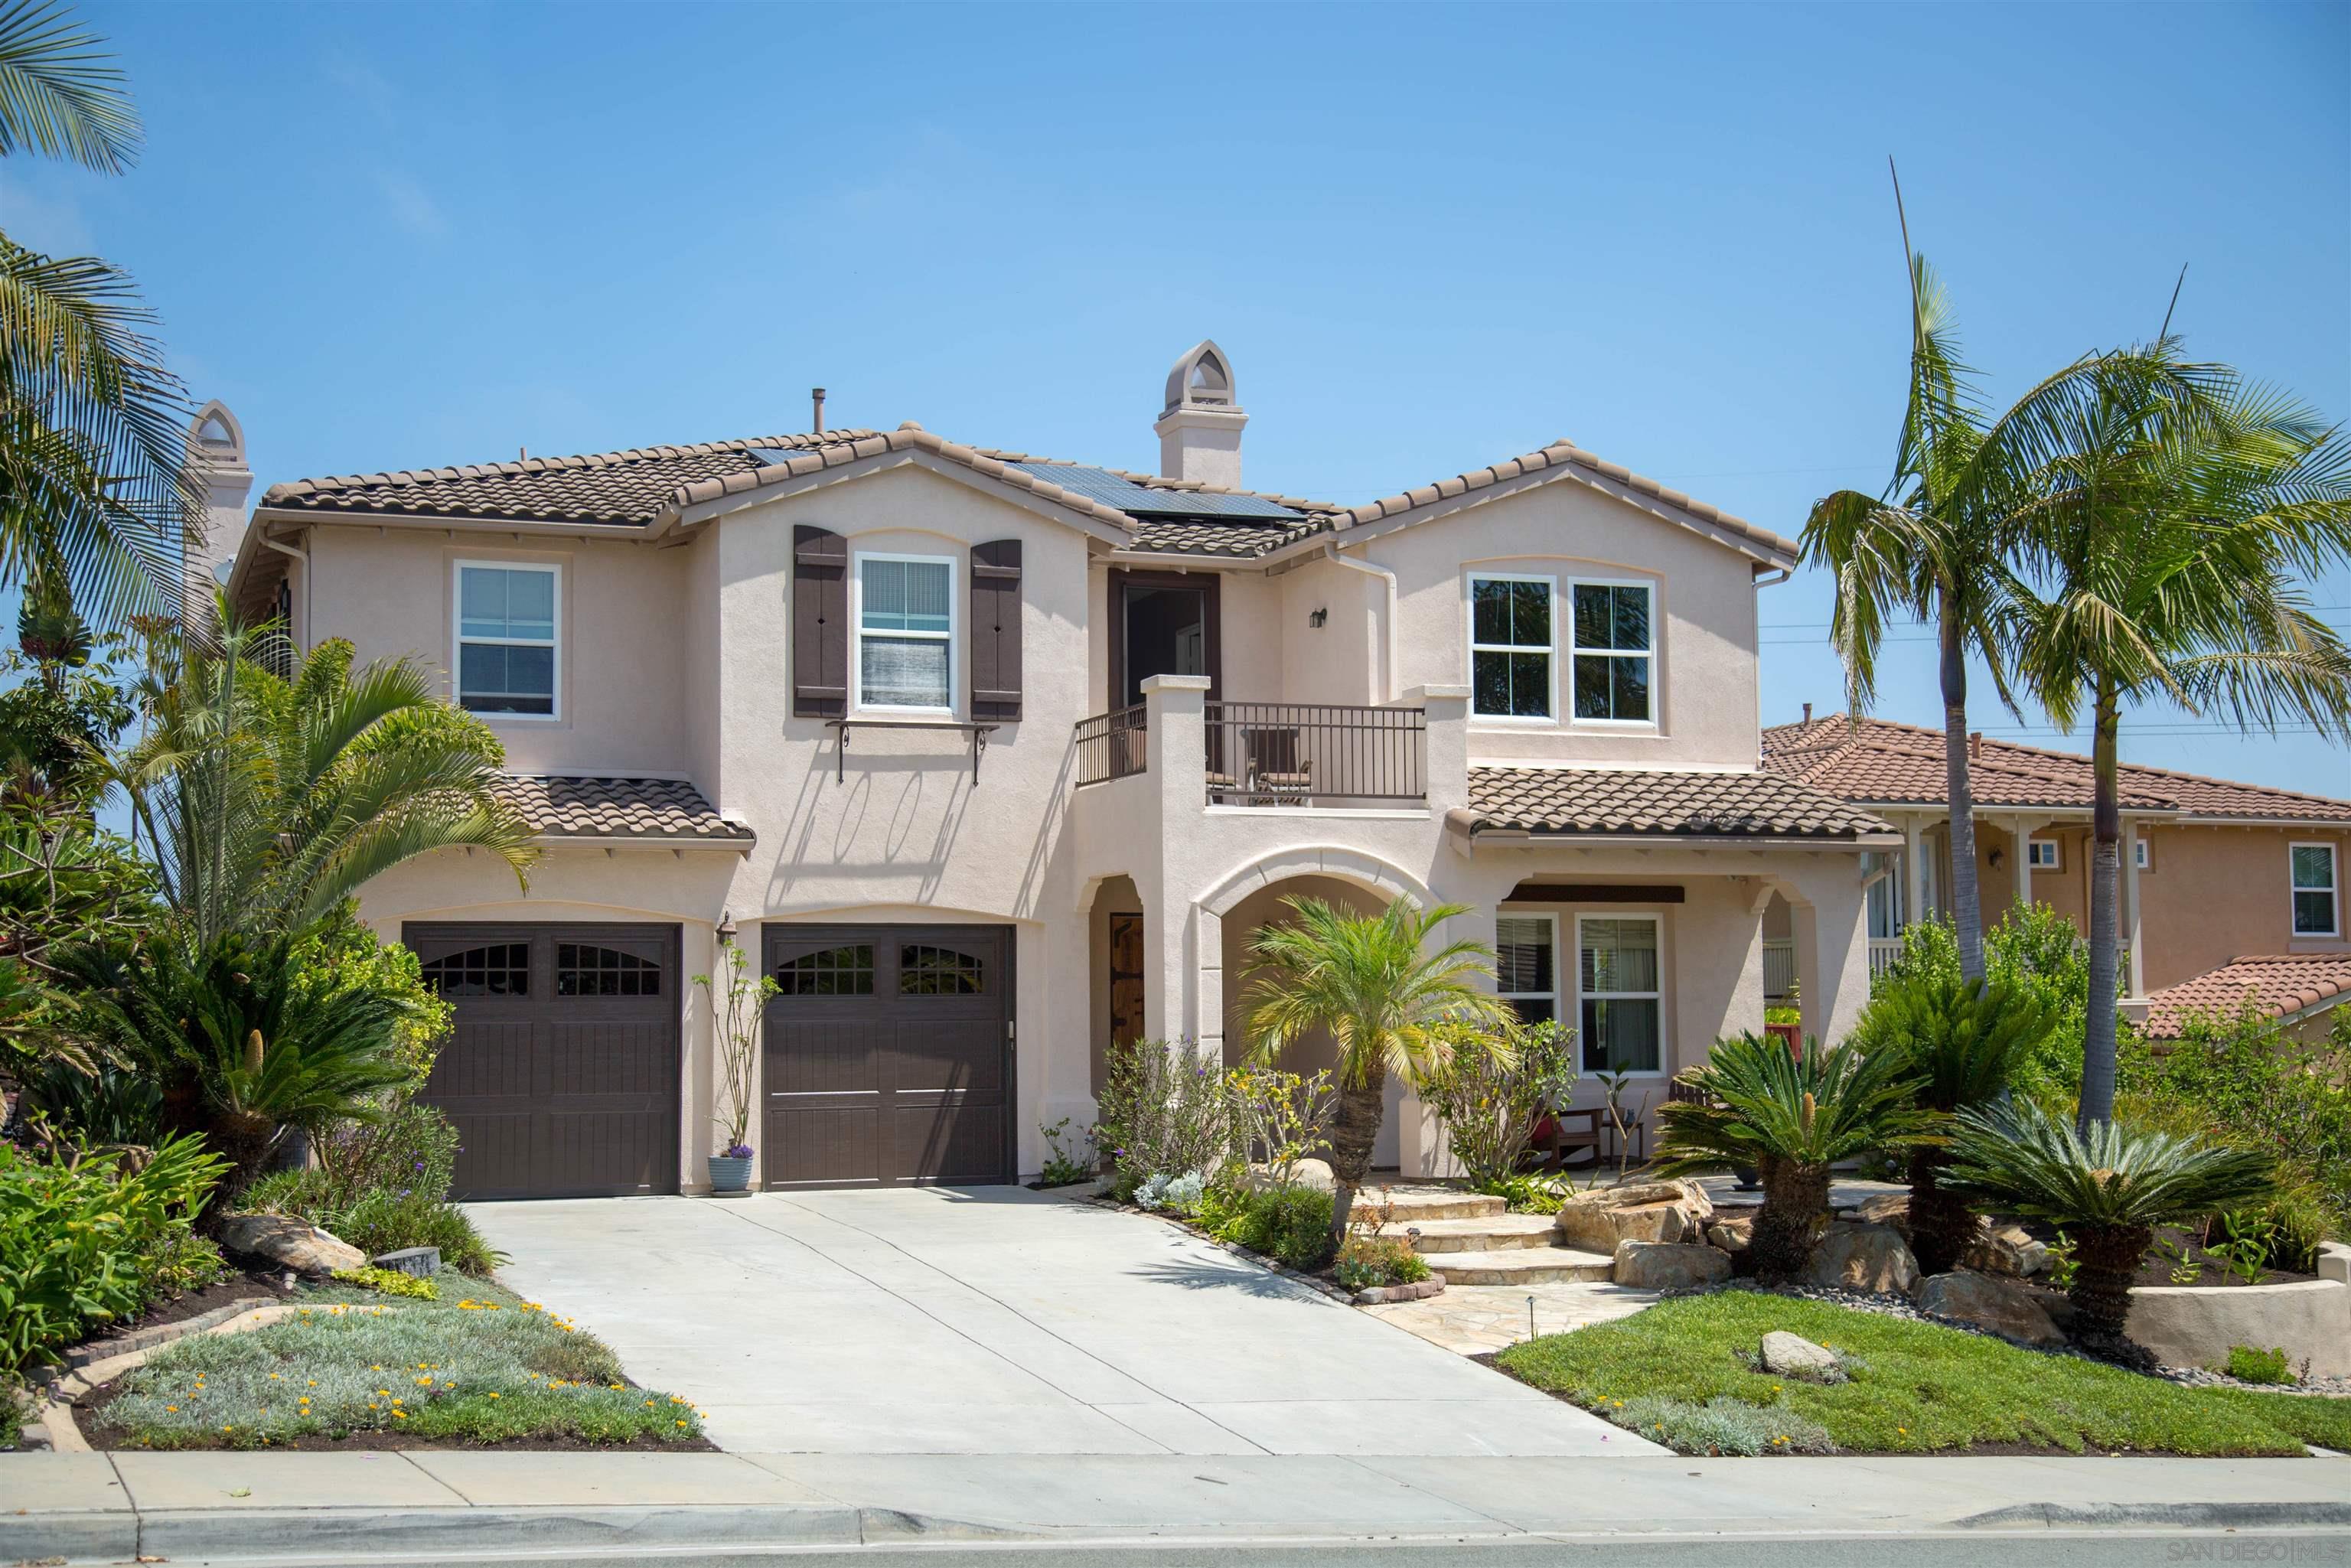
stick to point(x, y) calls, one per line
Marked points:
point(889, 1055)
point(562, 1075)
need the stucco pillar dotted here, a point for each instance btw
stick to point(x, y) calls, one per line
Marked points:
point(1834, 964)
point(2130, 908)
point(1914, 870)
point(1205, 1020)
point(1444, 771)
point(2021, 834)
point(1173, 709)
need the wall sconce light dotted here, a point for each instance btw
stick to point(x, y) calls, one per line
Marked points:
point(726, 927)
point(1317, 617)
point(1996, 857)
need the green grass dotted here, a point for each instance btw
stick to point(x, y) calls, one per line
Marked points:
point(479, 1366)
point(1915, 1388)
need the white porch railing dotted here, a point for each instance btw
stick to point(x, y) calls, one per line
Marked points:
point(1883, 951)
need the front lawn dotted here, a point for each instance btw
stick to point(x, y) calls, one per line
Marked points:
point(479, 1366)
point(1915, 1389)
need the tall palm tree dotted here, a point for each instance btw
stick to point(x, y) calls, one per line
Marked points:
point(1389, 1003)
point(94, 469)
point(270, 801)
point(2174, 518)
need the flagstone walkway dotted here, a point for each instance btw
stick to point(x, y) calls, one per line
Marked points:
point(1476, 1319)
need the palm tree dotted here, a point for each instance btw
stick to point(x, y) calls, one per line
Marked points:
point(1388, 1003)
point(2174, 516)
point(1791, 1117)
point(1962, 1040)
point(2108, 1188)
point(270, 801)
point(93, 439)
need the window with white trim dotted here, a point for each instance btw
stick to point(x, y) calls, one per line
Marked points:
point(2041, 855)
point(1615, 641)
point(1618, 993)
point(1525, 971)
point(2138, 848)
point(1511, 646)
point(2314, 887)
point(905, 633)
point(506, 618)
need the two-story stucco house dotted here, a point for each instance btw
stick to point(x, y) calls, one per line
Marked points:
point(990, 759)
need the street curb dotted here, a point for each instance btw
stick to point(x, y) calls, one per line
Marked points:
point(264, 1532)
point(2165, 1515)
point(108, 1537)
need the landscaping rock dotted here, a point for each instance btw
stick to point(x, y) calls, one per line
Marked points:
point(424, 1262)
point(1868, 1258)
point(1418, 1290)
point(1669, 1265)
point(1792, 1355)
point(1997, 1306)
point(1734, 1235)
point(1884, 1209)
point(1661, 1211)
point(304, 1249)
point(2008, 1249)
point(1314, 1173)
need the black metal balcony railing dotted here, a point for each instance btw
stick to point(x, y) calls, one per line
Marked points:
point(1273, 754)
point(1113, 746)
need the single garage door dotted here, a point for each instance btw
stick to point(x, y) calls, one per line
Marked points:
point(562, 1074)
point(889, 1055)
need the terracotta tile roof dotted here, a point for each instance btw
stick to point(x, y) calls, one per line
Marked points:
point(560, 807)
point(1598, 800)
point(2277, 986)
point(1885, 763)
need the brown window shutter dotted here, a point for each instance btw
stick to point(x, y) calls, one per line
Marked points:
point(993, 634)
point(819, 624)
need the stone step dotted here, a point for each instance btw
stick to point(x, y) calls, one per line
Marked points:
point(1520, 1266)
point(1410, 1207)
point(1486, 1233)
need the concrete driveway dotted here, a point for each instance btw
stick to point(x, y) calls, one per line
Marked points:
point(1000, 1321)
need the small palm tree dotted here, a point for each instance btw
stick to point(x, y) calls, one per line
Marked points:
point(271, 800)
point(2176, 514)
point(1791, 1117)
point(1386, 1000)
point(2108, 1188)
point(1963, 1040)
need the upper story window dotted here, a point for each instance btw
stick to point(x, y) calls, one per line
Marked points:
point(2315, 885)
point(2043, 854)
point(507, 621)
point(1614, 642)
point(905, 633)
point(1511, 646)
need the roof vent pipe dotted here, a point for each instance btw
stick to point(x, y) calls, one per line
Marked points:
point(815, 396)
point(1808, 713)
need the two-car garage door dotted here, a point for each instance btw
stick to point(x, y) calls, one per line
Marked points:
point(888, 1055)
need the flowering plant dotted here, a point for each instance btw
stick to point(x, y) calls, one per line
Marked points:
point(736, 1009)
point(738, 1152)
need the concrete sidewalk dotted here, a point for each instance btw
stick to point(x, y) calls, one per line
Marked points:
point(115, 1507)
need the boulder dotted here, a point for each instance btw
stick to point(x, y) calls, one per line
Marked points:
point(1669, 1265)
point(1871, 1259)
point(1734, 1235)
point(289, 1243)
point(1998, 1306)
point(1883, 1208)
point(1313, 1173)
point(2007, 1249)
point(1792, 1355)
point(1660, 1211)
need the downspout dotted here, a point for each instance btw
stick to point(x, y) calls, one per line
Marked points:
point(1388, 657)
point(304, 557)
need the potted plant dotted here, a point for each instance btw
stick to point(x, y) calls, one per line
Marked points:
point(736, 1004)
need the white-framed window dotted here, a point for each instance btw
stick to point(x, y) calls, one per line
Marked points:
point(1614, 631)
point(508, 659)
point(2043, 854)
point(2315, 888)
point(906, 619)
point(2139, 851)
point(1619, 996)
point(1526, 972)
point(1511, 646)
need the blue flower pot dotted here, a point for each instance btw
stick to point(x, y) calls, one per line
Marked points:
point(730, 1175)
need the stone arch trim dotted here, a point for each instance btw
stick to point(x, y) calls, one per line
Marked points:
point(1365, 870)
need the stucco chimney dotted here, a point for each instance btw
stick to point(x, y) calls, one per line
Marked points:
point(1200, 427)
point(216, 449)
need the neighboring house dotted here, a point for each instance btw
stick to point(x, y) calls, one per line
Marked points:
point(2299, 990)
point(990, 759)
point(2214, 870)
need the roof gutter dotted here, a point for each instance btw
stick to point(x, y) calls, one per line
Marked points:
point(1464, 823)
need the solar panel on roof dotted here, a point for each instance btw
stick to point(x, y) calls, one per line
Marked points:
point(776, 456)
point(1142, 501)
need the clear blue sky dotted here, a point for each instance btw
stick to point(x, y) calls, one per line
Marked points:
point(1429, 237)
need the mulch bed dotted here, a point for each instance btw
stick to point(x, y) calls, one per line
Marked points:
point(2215, 1275)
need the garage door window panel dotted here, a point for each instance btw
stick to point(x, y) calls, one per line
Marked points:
point(927, 971)
point(501, 970)
point(583, 970)
point(845, 971)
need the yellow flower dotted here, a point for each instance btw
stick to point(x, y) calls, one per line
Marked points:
point(426, 1381)
point(681, 1423)
point(399, 1415)
point(273, 1377)
point(173, 1409)
point(494, 1396)
point(314, 1383)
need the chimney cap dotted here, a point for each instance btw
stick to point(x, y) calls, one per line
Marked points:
point(1203, 378)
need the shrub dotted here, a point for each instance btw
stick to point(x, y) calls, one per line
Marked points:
point(1364, 1262)
point(107, 1105)
point(1491, 1099)
point(1722, 1425)
point(2248, 1363)
point(78, 1239)
point(2040, 953)
point(390, 1282)
point(1279, 1118)
point(1164, 1111)
point(385, 1222)
point(1063, 1167)
point(1525, 1193)
point(1177, 1195)
point(1291, 1224)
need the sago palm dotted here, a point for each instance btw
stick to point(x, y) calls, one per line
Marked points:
point(2175, 518)
point(1790, 1116)
point(1385, 999)
point(269, 801)
point(1962, 1040)
point(2108, 1189)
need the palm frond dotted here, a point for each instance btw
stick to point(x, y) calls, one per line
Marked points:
point(57, 96)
